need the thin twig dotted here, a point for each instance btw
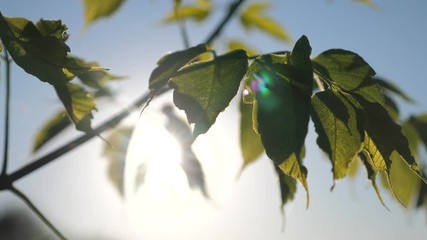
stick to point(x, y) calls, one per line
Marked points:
point(37, 212)
point(111, 123)
point(7, 116)
point(182, 28)
point(233, 7)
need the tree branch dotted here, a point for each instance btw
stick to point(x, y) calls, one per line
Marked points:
point(182, 28)
point(7, 115)
point(37, 212)
point(111, 123)
point(233, 7)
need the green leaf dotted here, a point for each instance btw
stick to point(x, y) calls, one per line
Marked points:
point(1, 47)
point(78, 103)
point(372, 173)
point(282, 92)
point(236, 44)
point(115, 152)
point(392, 108)
point(250, 141)
point(422, 194)
point(349, 72)
point(256, 66)
point(40, 49)
point(253, 17)
point(197, 12)
point(53, 127)
point(288, 186)
point(405, 182)
point(385, 144)
point(169, 64)
point(392, 88)
point(420, 124)
point(414, 137)
point(97, 9)
point(338, 127)
point(203, 90)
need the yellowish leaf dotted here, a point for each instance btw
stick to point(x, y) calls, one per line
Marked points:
point(96, 9)
point(253, 17)
point(197, 12)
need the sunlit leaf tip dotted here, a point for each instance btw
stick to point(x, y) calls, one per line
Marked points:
point(372, 173)
point(288, 186)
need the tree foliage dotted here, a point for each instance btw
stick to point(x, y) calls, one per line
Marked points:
point(353, 110)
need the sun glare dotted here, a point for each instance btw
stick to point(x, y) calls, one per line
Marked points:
point(157, 192)
point(154, 155)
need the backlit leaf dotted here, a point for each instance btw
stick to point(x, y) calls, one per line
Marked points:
point(78, 104)
point(405, 182)
point(179, 129)
point(250, 141)
point(256, 66)
point(197, 12)
point(53, 127)
point(40, 49)
point(253, 17)
point(372, 173)
point(420, 124)
point(282, 92)
point(390, 87)
point(288, 186)
point(384, 137)
point(169, 64)
point(339, 133)
point(422, 195)
point(97, 9)
point(203, 90)
point(349, 72)
point(97, 79)
point(115, 153)
point(391, 107)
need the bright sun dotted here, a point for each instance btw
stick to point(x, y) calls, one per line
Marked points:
point(157, 191)
point(153, 158)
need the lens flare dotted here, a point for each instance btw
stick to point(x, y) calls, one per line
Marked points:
point(266, 89)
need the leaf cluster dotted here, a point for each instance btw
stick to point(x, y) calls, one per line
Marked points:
point(41, 50)
point(353, 110)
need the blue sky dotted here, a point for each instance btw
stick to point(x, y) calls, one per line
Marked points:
point(74, 191)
